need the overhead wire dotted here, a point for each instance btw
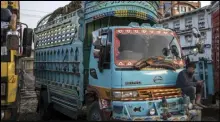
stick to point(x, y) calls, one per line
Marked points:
point(35, 11)
point(31, 15)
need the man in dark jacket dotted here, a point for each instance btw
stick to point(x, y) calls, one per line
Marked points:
point(189, 85)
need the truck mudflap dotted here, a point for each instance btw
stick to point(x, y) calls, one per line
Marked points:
point(140, 111)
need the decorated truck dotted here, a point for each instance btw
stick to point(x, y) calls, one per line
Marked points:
point(111, 60)
point(15, 43)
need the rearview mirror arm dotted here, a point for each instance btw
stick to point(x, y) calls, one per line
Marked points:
point(197, 34)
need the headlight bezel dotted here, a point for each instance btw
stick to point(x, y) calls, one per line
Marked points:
point(152, 110)
point(125, 94)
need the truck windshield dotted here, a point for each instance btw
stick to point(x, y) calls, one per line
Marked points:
point(135, 46)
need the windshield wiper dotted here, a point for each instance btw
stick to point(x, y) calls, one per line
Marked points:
point(170, 47)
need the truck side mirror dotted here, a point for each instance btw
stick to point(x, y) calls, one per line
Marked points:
point(98, 44)
point(97, 47)
point(99, 40)
point(196, 33)
point(103, 41)
point(199, 43)
point(166, 51)
point(200, 47)
point(174, 50)
point(12, 42)
point(27, 41)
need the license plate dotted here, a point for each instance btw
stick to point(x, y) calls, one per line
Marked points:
point(2, 89)
point(172, 105)
point(4, 50)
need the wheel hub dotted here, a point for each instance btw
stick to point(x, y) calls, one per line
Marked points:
point(96, 116)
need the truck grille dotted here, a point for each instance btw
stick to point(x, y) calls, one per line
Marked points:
point(159, 93)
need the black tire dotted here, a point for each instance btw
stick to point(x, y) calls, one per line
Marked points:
point(15, 109)
point(45, 110)
point(94, 113)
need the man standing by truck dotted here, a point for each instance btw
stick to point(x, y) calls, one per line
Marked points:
point(189, 85)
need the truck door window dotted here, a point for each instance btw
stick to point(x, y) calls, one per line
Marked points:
point(100, 51)
point(106, 54)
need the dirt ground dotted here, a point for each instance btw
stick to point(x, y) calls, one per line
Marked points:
point(28, 107)
point(28, 113)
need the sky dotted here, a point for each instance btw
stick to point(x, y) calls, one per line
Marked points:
point(33, 11)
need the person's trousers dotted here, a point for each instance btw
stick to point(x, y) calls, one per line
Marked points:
point(191, 91)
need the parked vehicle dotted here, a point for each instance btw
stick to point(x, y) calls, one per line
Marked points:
point(13, 47)
point(104, 57)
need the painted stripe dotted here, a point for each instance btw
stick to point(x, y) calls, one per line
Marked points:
point(59, 93)
point(63, 105)
point(63, 102)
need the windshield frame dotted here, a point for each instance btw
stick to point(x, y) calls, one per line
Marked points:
point(129, 63)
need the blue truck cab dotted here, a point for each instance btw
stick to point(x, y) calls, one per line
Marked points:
point(113, 60)
point(134, 94)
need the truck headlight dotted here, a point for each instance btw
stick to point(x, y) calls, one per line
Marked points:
point(152, 111)
point(125, 94)
point(2, 88)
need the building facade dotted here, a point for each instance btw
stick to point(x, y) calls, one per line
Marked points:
point(172, 8)
point(183, 24)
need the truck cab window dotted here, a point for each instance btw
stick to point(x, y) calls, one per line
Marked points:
point(107, 57)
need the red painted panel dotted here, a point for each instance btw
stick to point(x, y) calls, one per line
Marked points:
point(215, 47)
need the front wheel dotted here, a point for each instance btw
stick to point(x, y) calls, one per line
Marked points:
point(94, 113)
